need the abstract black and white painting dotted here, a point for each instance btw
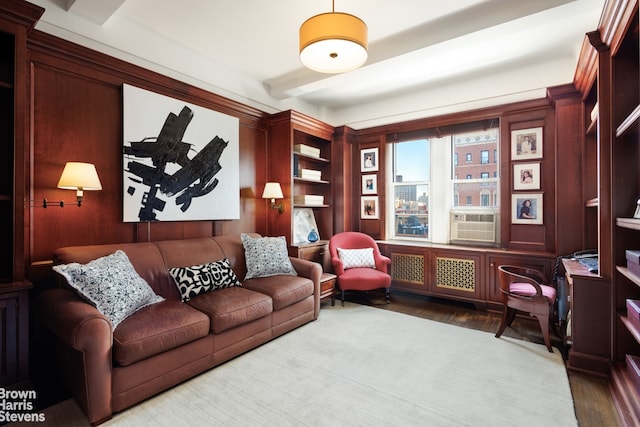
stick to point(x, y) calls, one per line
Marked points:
point(180, 161)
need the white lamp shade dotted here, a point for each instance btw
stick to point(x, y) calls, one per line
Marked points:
point(272, 190)
point(77, 175)
point(333, 42)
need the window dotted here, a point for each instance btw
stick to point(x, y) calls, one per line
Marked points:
point(428, 183)
point(484, 157)
point(411, 188)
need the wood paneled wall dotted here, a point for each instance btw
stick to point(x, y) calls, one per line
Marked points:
point(560, 116)
point(76, 115)
point(75, 109)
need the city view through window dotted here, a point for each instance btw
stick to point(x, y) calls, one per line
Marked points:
point(463, 171)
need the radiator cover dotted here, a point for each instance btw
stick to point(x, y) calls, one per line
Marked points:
point(455, 273)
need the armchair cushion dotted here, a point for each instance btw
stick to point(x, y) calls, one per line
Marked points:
point(111, 284)
point(356, 258)
point(266, 256)
point(528, 290)
point(198, 279)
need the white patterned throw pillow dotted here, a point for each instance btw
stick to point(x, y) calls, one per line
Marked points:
point(266, 256)
point(356, 258)
point(111, 284)
point(199, 279)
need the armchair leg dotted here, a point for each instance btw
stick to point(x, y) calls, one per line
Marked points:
point(507, 316)
point(386, 295)
point(342, 296)
point(544, 326)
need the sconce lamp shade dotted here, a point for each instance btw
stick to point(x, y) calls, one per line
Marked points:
point(272, 190)
point(79, 176)
point(333, 42)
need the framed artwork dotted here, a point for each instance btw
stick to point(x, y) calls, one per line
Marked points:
point(526, 208)
point(303, 222)
point(369, 207)
point(181, 162)
point(526, 176)
point(370, 184)
point(526, 144)
point(369, 160)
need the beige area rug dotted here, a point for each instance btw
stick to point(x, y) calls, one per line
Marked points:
point(362, 366)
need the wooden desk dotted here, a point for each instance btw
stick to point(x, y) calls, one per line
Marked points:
point(590, 319)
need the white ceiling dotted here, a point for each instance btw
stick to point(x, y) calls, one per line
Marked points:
point(426, 57)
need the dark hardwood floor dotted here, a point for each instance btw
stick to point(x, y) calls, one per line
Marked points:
point(592, 400)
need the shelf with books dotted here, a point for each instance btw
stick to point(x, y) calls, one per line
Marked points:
point(301, 159)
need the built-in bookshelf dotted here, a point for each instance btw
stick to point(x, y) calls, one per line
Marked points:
point(624, 134)
point(301, 155)
point(7, 43)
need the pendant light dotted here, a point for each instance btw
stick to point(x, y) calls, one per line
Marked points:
point(333, 42)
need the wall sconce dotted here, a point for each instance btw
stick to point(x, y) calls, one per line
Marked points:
point(273, 191)
point(77, 176)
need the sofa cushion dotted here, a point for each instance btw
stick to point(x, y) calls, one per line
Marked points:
point(111, 284)
point(156, 329)
point(266, 256)
point(356, 258)
point(199, 279)
point(283, 290)
point(231, 307)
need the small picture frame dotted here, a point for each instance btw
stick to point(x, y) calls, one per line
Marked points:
point(526, 208)
point(526, 144)
point(369, 207)
point(369, 160)
point(370, 184)
point(526, 176)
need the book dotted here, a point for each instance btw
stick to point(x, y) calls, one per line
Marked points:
point(306, 149)
point(308, 199)
point(310, 174)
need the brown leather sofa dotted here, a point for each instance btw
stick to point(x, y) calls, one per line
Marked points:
point(166, 343)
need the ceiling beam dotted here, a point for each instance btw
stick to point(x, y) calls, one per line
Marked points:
point(476, 18)
point(96, 11)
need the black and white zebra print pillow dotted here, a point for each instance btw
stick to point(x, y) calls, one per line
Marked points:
point(199, 279)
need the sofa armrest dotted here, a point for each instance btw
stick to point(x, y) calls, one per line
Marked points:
point(75, 322)
point(311, 270)
point(82, 328)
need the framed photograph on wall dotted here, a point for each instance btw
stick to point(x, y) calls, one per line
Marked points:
point(369, 160)
point(526, 208)
point(370, 184)
point(526, 144)
point(526, 176)
point(369, 207)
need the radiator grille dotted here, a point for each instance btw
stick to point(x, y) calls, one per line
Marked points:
point(452, 273)
point(408, 268)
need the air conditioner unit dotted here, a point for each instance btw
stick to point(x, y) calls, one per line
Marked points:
point(473, 226)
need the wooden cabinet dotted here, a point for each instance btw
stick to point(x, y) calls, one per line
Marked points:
point(14, 327)
point(316, 252)
point(589, 329)
point(457, 272)
point(300, 154)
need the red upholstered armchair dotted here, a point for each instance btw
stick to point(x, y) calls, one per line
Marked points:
point(358, 263)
